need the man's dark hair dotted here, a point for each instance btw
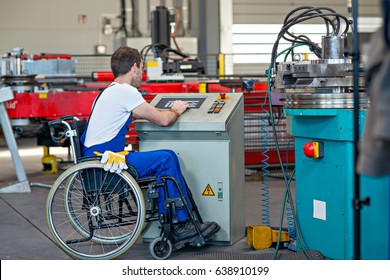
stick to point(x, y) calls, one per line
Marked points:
point(123, 59)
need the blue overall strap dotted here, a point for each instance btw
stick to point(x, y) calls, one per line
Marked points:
point(96, 99)
point(82, 137)
point(116, 144)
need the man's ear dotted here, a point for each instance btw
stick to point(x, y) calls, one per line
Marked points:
point(132, 69)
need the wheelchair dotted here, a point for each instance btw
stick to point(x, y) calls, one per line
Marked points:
point(94, 214)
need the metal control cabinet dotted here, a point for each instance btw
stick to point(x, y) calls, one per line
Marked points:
point(325, 188)
point(210, 146)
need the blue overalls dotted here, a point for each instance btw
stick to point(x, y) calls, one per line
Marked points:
point(153, 163)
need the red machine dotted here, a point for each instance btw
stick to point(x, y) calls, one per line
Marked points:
point(52, 105)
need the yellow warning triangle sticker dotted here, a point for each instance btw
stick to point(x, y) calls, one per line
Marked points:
point(208, 191)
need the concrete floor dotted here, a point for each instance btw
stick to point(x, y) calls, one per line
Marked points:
point(24, 233)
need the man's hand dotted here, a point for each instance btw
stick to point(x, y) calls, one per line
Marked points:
point(180, 106)
point(161, 117)
point(114, 162)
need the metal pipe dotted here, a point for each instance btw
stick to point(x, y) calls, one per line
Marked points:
point(9, 137)
point(332, 47)
point(135, 32)
point(123, 18)
point(185, 17)
point(221, 65)
point(356, 202)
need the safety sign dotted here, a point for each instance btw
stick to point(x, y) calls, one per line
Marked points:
point(208, 191)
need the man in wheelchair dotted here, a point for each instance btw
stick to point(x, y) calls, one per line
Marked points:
point(112, 113)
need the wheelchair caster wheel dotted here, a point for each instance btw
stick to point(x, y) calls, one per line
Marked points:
point(160, 249)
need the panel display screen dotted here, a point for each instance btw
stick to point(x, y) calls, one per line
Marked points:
point(166, 102)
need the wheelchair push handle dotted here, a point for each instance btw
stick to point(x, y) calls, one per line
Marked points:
point(54, 123)
point(69, 118)
point(63, 120)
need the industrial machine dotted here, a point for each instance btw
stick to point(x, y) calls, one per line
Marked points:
point(168, 64)
point(318, 101)
point(209, 141)
point(38, 84)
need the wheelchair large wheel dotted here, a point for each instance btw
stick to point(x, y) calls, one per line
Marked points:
point(94, 214)
point(73, 193)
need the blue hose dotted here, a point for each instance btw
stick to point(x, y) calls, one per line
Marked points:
point(265, 172)
point(289, 211)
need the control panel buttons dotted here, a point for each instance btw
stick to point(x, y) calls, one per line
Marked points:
point(211, 110)
point(314, 149)
point(216, 107)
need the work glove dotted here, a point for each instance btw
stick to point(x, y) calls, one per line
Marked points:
point(113, 162)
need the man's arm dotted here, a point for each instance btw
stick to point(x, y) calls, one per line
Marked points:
point(160, 117)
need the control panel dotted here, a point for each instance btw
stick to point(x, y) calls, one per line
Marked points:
point(209, 141)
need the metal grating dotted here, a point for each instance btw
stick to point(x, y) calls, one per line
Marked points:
point(256, 255)
point(87, 64)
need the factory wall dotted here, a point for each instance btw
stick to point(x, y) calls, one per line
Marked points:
point(44, 26)
point(76, 26)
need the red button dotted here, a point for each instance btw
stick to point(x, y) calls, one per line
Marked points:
point(308, 149)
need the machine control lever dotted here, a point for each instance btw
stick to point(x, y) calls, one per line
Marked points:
point(358, 203)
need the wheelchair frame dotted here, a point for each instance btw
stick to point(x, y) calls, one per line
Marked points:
point(94, 214)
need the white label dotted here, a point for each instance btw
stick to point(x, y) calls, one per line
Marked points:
point(319, 209)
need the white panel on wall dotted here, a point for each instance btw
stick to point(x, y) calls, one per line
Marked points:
point(270, 11)
point(257, 22)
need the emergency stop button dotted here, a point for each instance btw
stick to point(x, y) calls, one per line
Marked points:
point(314, 149)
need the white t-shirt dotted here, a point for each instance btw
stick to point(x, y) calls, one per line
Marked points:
point(112, 110)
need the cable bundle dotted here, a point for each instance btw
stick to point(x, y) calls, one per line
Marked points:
point(332, 21)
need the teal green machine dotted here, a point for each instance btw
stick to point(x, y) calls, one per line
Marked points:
point(318, 104)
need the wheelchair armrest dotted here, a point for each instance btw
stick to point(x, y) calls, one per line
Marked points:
point(133, 172)
point(88, 158)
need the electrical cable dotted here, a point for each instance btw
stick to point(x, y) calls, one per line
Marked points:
point(292, 50)
point(310, 13)
point(289, 213)
point(288, 194)
point(166, 51)
point(285, 28)
point(173, 34)
point(281, 218)
point(318, 10)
